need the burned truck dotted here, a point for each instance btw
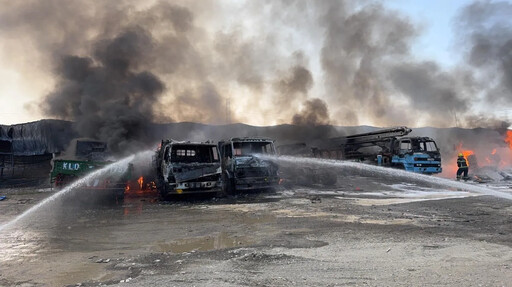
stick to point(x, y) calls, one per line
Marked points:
point(187, 168)
point(82, 157)
point(242, 169)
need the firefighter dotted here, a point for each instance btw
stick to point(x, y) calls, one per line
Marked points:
point(463, 167)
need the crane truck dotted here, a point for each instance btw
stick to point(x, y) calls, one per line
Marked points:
point(387, 147)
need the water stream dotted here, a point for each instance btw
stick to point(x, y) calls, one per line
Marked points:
point(357, 166)
point(118, 168)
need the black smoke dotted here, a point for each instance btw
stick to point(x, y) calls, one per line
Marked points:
point(121, 64)
point(313, 113)
point(107, 95)
point(487, 27)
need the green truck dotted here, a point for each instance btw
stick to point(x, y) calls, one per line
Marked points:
point(85, 156)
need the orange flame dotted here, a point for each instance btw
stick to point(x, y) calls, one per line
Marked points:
point(467, 153)
point(493, 152)
point(508, 138)
point(141, 182)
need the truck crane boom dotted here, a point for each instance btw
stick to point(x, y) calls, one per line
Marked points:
point(387, 147)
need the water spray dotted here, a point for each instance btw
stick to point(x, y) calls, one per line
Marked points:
point(387, 171)
point(118, 167)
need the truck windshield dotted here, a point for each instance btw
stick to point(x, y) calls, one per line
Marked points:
point(194, 153)
point(249, 148)
point(418, 145)
point(428, 146)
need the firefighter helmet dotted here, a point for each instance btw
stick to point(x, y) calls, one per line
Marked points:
point(460, 154)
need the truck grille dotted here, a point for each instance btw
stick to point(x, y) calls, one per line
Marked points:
point(427, 165)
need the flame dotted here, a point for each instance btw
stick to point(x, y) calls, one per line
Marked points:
point(497, 156)
point(141, 182)
point(467, 153)
point(508, 138)
point(127, 187)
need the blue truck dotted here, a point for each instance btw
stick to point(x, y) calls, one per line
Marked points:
point(387, 147)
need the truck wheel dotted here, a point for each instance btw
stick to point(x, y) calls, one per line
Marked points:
point(162, 188)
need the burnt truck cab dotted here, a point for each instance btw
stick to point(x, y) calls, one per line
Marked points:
point(188, 167)
point(242, 169)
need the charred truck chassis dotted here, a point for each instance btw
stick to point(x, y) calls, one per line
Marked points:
point(188, 168)
point(242, 170)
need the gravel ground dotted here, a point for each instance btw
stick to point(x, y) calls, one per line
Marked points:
point(364, 232)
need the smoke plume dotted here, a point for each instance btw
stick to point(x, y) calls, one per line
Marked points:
point(119, 65)
point(106, 95)
point(314, 113)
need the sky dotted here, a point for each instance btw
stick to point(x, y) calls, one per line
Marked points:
point(381, 63)
point(436, 19)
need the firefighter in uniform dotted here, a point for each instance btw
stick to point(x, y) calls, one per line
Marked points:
point(463, 167)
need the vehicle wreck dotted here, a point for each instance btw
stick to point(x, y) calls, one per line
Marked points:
point(82, 157)
point(242, 170)
point(187, 167)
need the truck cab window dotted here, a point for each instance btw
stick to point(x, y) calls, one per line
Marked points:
point(215, 154)
point(405, 145)
point(430, 146)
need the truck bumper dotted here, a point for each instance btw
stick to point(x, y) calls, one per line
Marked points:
point(425, 170)
point(195, 187)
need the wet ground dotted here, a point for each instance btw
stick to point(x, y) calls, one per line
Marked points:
point(363, 232)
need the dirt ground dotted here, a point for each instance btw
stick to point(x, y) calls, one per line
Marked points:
point(364, 232)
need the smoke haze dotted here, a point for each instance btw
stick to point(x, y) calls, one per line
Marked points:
point(118, 65)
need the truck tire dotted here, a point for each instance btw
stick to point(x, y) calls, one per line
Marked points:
point(162, 188)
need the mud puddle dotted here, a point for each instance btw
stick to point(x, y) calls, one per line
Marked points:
point(207, 243)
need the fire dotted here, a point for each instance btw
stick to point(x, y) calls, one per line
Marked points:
point(508, 138)
point(494, 155)
point(467, 153)
point(141, 182)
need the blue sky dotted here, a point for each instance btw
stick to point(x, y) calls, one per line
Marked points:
point(436, 21)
